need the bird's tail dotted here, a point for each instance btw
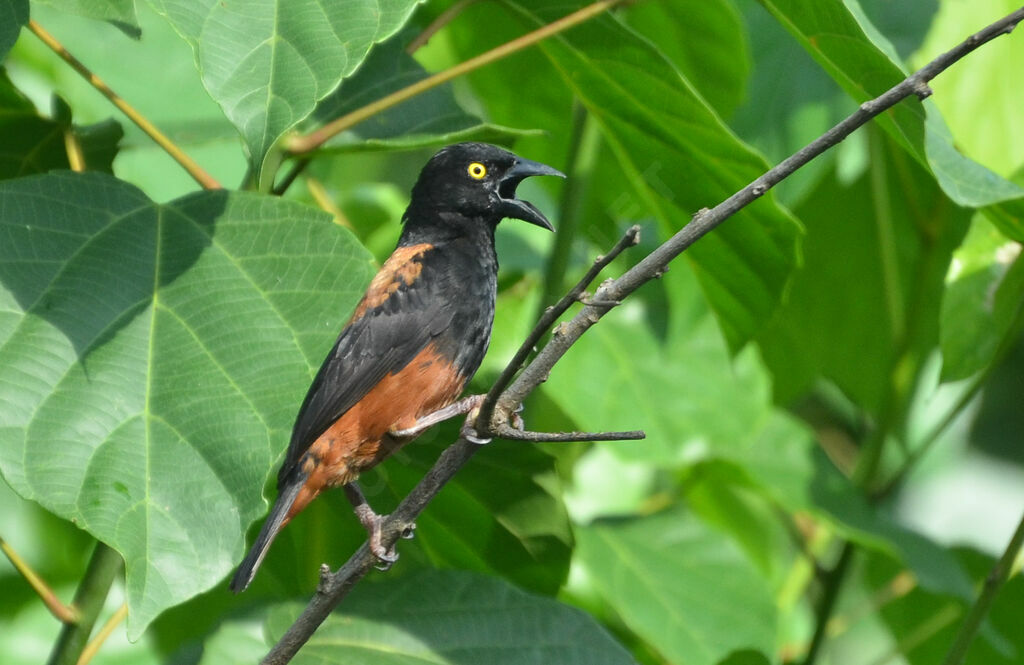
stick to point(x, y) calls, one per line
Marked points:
point(275, 520)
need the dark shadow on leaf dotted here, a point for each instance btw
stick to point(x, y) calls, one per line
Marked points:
point(89, 253)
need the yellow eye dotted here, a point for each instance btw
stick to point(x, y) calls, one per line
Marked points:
point(477, 170)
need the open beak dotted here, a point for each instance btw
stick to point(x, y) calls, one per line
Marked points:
point(516, 208)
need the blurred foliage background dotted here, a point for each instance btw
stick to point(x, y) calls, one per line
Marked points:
point(830, 383)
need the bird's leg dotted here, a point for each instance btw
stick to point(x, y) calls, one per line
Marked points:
point(371, 521)
point(463, 406)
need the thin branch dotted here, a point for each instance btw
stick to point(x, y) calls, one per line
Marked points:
point(501, 402)
point(73, 148)
point(298, 166)
point(92, 592)
point(551, 314)
point(101, 636)
point(513, 434)
point(198, 174)
point(996, 577)
point(313, 140)
point(831, 585)
point(64, 613)
point(443, 19)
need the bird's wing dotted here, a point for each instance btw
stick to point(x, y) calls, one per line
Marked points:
point(397, 318)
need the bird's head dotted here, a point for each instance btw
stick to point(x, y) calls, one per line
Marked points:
point(478, 180)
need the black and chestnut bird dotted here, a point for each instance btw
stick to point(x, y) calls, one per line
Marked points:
point(414, 341)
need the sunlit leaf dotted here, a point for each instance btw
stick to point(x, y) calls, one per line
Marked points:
point(268, 62)
point(684, 588)
point(864, 63)
point(982, 301)
point(162, 351)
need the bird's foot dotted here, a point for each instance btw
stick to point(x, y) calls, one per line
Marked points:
point(463, 406)
point(371, 521)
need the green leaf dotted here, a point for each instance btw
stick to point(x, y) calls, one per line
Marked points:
point(434, 118)
point(708, 46)
point(679, 157)
point(620, 376)
point(34, 144)
point(847, 46)
point(983, 113)
point(437, 617)
point(162, 350)
point(13, 15)
point(119, 13)
point(895, 232)
point(982, 302)
point(268, 62)
point(685, 589)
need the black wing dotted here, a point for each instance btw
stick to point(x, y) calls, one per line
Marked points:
point(380, 340)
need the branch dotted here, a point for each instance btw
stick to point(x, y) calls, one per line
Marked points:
point(65, 613)
point(313, 140)
point(443, 19)
point(507, 395)
point(89, 599)
point(186, 162)
point(996, 577)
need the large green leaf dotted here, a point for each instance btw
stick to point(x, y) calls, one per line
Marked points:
point(13, 15)
point(863, 62)
point(853, 320)
point(679, 157)
point(708, 46)
point(687, 590)
point(982, 301)
point(268, 62)
point(435, 617)
point(152, 359)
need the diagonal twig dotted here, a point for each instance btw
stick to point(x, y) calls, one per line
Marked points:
point(484, 425)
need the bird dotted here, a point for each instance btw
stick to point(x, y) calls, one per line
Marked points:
point(413, 342)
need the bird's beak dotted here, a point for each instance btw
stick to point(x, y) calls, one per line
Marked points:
point(516, 208)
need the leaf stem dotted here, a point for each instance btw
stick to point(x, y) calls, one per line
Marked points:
point(104, 632)
point(996, 577)
point(92, 593)
point(65, 613)
point(830, 594)
point(313, 140)
point(443, 19)
point(198, 174)
point(583, 145)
